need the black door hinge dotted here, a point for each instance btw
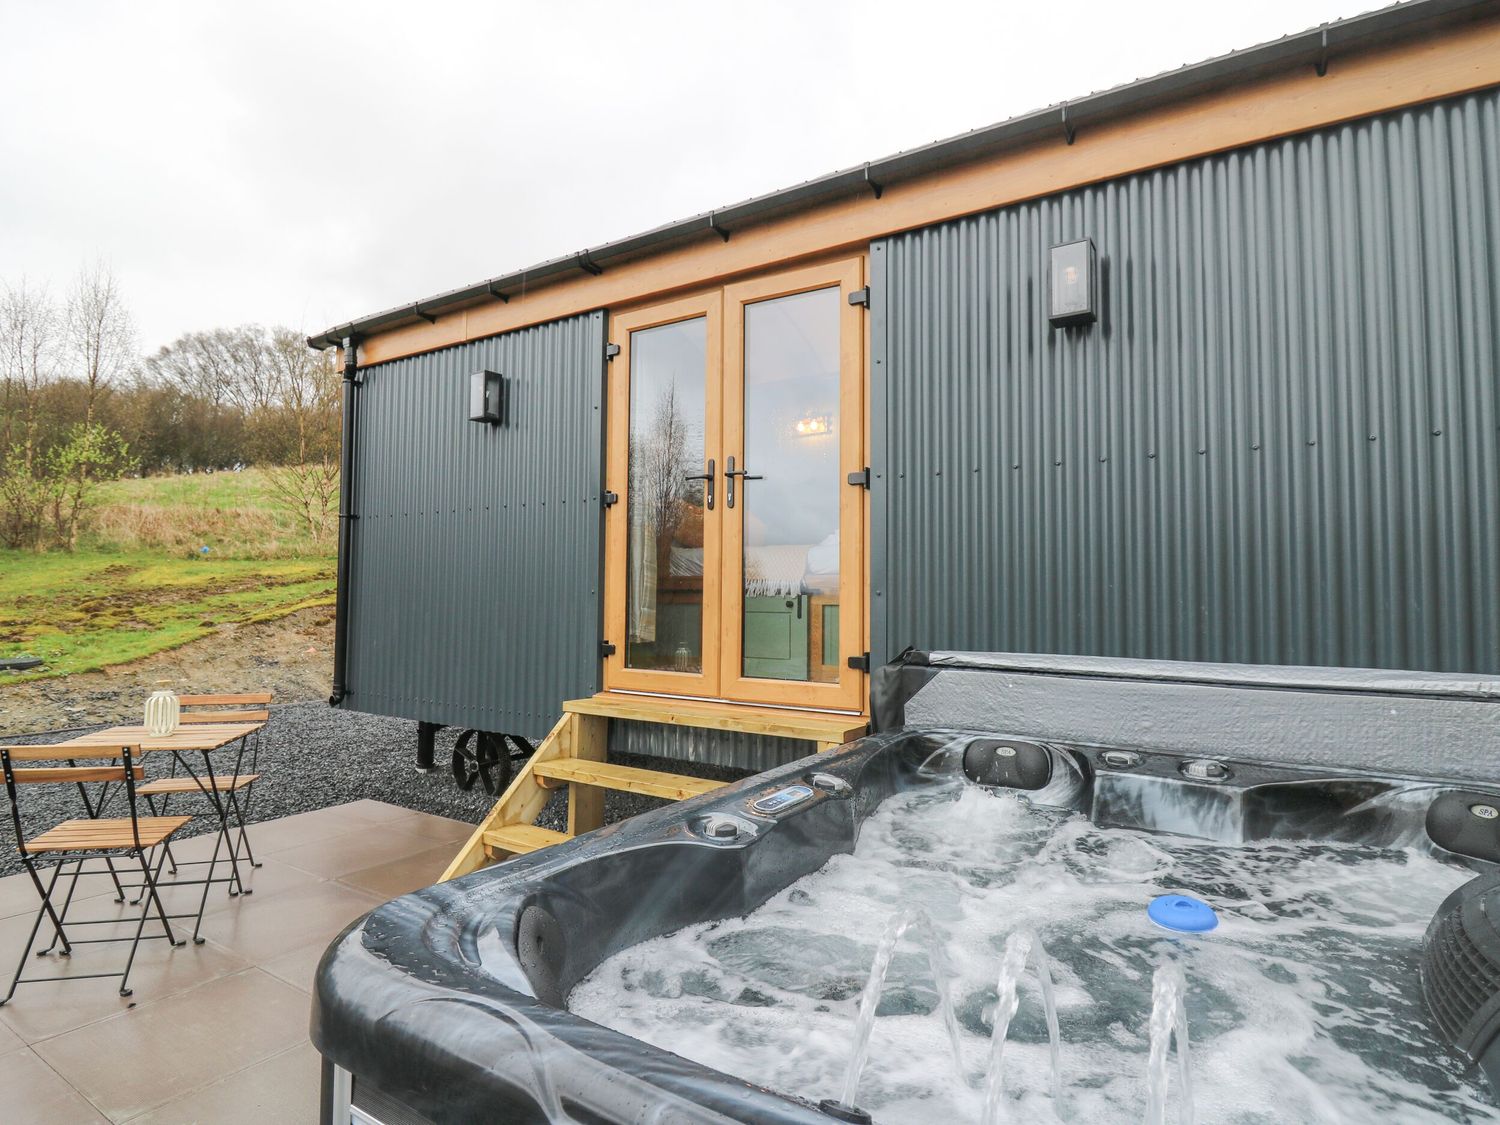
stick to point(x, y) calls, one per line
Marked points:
point(610, 498)
point(611, 350)
point(860, 663)
point(860, 479)
point(606, 649)
point(860, 297)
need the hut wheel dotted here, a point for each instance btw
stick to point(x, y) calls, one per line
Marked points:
point(483, 756)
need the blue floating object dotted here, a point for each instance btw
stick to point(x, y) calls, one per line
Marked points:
point(1182, 914)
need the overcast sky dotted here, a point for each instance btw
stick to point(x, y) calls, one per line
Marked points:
point(306, 163)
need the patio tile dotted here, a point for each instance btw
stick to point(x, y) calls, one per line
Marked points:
point(259, 929)
point(270, 837)
point(367, 809)
point(282, 1088)
point(18, 893)
point(438, 827)
point(272, 878)
point(159, 1052)
point(36, 1094)
point(9, 1041)
point(47, 1008)
point(403, 875)
point(299, 966)
point(355, 850)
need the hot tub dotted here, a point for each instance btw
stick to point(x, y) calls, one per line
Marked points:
point(705, 962)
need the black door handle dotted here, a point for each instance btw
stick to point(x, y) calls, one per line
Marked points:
point(708, 499)
point(730, 472)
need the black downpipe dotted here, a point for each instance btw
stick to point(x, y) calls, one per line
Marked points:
point(346, 526)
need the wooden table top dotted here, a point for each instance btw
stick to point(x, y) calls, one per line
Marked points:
point(195, 736)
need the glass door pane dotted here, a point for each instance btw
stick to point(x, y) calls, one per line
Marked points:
point(669, 494)
point(791, 493)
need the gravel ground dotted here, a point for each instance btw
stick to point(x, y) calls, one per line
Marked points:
point(313, 756)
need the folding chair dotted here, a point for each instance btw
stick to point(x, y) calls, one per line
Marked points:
point(246, 707)
point(74, 842)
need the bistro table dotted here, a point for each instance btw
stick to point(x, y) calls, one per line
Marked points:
point(202, 739)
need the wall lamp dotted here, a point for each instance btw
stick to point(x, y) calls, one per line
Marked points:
point(487, 397)
point(1074, 285)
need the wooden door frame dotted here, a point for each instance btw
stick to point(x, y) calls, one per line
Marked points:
point(617, 676)
point(847, 275)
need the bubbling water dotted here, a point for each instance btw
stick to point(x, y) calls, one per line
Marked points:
point(1304, 1003)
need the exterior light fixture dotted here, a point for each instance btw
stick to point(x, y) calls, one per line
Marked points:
point(814, 424)
point(487, 397)
point(1074, 284)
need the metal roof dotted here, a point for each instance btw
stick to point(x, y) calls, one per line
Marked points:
point(1313, 48)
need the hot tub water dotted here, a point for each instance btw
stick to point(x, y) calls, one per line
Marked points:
point(1303, 1004)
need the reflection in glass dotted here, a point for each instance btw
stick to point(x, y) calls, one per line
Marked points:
point(664, 589)
point(791, 564)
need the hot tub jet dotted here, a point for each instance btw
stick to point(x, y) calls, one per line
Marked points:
point(1018, 947)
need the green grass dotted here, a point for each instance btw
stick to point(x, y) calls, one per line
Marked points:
point(140, 584)
point(237, 515)
point(94, 609)
point(247, 489)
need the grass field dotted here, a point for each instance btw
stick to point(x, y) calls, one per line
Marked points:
point(237, 515)
point(141, 583)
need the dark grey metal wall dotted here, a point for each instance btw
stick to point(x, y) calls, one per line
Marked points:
point(1278, 445)
point(476, 560)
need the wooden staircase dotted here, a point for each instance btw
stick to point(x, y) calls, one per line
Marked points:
point(575, 754)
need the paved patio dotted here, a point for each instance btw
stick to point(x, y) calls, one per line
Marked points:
point(219, 1030)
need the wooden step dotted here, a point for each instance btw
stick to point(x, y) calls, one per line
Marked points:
point(825, 728)
point(627, 779)
point(518, 839)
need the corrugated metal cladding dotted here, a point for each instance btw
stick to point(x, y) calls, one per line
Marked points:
point(732, 748)
point(475, 566)
point(1278, 444)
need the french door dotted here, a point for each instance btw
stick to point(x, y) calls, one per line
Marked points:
point(735, 554)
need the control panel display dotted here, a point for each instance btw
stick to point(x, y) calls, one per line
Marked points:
point(783, 800)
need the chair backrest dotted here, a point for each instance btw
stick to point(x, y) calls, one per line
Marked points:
point(245, 707)
point(127, 771)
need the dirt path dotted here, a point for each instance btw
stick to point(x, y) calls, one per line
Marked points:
point(292, 656)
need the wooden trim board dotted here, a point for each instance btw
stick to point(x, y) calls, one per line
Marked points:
point(777, 722)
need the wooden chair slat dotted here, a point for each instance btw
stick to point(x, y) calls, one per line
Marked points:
point(249, 697)
point(65, 750)
point(223, 782)
point(104, 835)
point(38, 775)
point(188, 718)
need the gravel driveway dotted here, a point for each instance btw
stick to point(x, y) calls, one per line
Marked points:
point(313, 756)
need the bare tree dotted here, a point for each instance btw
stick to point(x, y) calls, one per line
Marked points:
point(100, 338)
point(28, 361)
point(663, 461)
point(306, 384)
point(307, 391)
point(201, 364)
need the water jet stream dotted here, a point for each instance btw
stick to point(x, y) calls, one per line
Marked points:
point(1168, 1015)
point(1018, 947)
point(864, 1024)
